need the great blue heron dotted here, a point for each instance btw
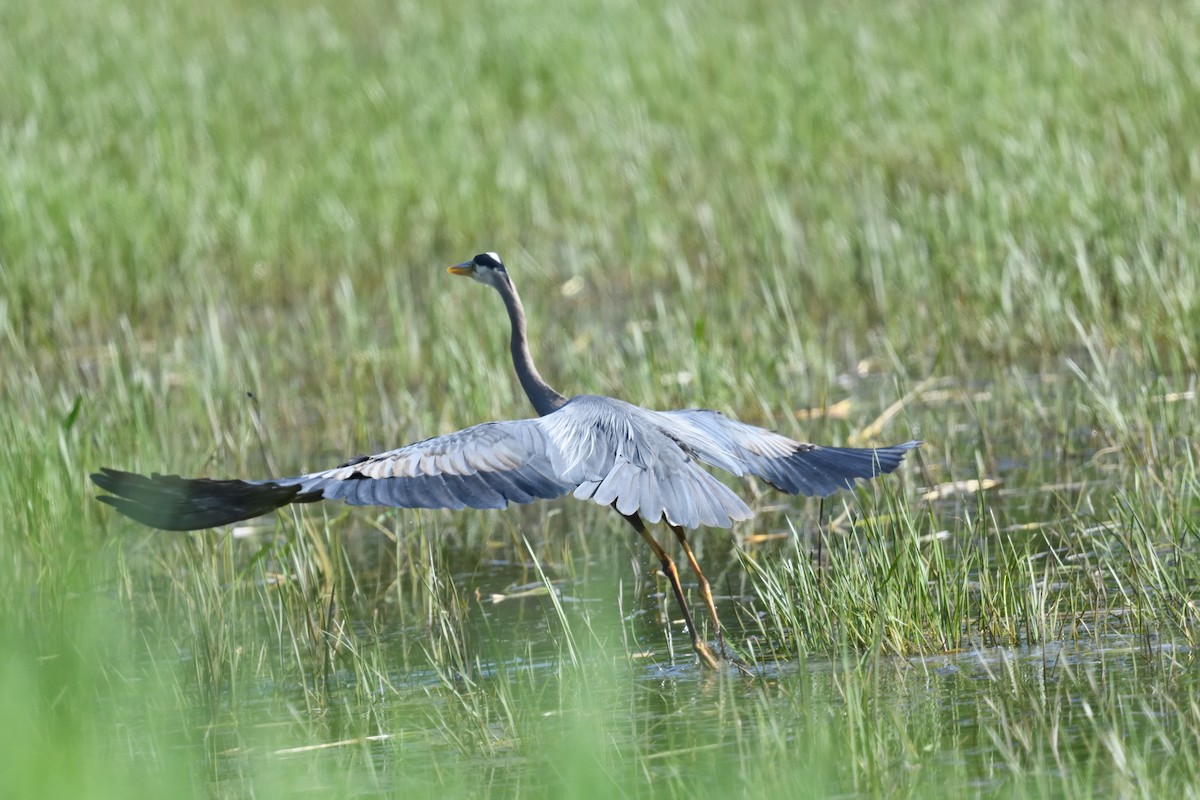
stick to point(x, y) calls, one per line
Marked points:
point(643, 463)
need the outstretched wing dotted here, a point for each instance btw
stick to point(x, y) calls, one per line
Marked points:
point(485, 466)
point(604, 450)
point(614, 453)
point(788, 465)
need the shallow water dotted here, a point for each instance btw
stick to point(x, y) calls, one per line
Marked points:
point(506, 717)
point(428, 652)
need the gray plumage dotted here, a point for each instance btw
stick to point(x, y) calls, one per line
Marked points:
point(644, 463)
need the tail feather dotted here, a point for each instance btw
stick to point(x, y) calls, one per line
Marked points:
point(172, 503)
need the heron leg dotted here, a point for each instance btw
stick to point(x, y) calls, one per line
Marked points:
point(705, 590)
point(707, 657)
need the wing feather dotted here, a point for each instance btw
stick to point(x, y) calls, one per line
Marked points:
point(788, 465)
point(485, 466)
point(601, 449)
point(618, 454)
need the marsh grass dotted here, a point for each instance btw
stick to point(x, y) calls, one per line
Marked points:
point(221, 228)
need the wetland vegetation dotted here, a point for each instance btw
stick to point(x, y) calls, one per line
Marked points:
point(223, 233)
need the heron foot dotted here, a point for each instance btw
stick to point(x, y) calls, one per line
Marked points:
point(707, 657)
point(719, 657)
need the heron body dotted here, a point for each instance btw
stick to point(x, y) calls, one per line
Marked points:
point(646, 464)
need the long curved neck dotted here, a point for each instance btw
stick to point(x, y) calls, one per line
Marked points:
point(545, 400)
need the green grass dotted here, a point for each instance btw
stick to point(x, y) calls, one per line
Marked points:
point(988, 209)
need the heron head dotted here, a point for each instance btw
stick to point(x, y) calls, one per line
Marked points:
point(485, 268)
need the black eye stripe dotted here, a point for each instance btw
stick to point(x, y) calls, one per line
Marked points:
point(489, 260)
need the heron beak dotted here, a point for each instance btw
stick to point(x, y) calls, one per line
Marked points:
point(465, 268)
